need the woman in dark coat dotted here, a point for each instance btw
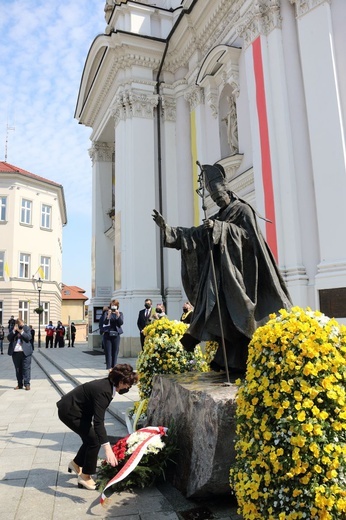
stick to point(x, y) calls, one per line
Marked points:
point(83, 411)
point(111, 327)
point(20, 348)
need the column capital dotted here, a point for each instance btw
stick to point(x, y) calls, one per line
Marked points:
point(261, 18)
point(101, 152)
point(304, 6)
point(194, 96)
point(168, 108)
point(133, 103)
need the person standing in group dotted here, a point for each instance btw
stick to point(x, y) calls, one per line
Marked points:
point(20, 349)
point(83, 411)
point(73, 334)
point(159, 312)
point(59, 335)
point(187, 313)
point(11, 323)
point(2, 336)
point(111, 326)
point(32, 339)
point(50, 329)
point(144, 318)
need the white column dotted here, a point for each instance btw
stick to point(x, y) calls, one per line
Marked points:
point(270, 111)
point(102, 247)
point(176, 188)
point(327, 140)
point(136, 237)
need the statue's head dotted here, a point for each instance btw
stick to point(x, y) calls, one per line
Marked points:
point(215, 183)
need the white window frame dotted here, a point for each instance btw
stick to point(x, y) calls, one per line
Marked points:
point(26, 211)
point(24, 265)
point(46, 216)
point(2, 265)
point(3, 208)
point(23, 310)
point(45, 314)
point(45, 266)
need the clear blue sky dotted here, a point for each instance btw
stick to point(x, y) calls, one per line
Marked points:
point(43, 47)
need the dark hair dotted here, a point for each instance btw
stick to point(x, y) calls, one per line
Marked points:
point(123, 373)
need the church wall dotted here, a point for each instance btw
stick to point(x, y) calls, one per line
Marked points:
point(287, 79)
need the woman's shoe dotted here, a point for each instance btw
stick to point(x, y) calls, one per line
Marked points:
point(18, 387)
point(87, 484)
point(74, 467)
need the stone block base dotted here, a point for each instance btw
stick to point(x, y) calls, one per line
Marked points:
point(202, 407)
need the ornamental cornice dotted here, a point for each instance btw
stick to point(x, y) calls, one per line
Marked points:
point(223, 14)
point(304, 6)
point(169, 105)
point(261, 18)
point(194, 96)
point(131, 103)
point(101, 152)
point(120, 60)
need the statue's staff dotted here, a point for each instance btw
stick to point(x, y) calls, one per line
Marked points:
point(201, 192)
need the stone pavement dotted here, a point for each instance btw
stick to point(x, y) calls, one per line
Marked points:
point(35, 448)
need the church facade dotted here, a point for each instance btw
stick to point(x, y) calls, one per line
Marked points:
point(258, 86)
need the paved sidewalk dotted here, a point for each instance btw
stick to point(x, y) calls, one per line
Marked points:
point(35, 448)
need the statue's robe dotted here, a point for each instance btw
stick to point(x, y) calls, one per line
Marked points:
point(248, 281)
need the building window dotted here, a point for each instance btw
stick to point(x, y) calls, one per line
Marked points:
point(45, 314)
point(2, 263)
point(24, 265)
point(23, 311)
point(46, 216)
point(3, 201)
point(1, 313)
point(45, 265)
point(25, 214)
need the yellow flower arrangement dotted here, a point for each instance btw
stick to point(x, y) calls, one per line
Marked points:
point(291, 421)
point(164, 354)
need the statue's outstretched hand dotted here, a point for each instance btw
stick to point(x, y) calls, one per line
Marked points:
point(159, 220)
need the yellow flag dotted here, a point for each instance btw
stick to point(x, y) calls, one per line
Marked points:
point(40, 272)
point(6, 272)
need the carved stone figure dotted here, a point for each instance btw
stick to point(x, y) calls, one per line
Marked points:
point(232, 125)
point(247, 279)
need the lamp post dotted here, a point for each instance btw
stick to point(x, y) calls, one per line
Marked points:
point(39, 283)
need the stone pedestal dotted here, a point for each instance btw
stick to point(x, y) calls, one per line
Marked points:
point(202, 407)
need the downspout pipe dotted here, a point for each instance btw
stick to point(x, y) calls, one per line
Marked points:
point(159, 140)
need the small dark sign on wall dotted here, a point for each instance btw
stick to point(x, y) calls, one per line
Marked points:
point(333, 302)
point(97, 313)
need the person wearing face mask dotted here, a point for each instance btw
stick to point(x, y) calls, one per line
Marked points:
point(159, 312)
point(187, 313)
point(20, 349)
point(111, 327)
point(144, 318)
point(83, 411)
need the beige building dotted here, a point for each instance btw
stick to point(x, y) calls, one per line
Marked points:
point(32, 215)
point(73, 310)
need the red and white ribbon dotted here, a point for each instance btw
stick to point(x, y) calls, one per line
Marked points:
point(155, 432)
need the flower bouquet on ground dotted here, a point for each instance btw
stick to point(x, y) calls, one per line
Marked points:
point(291, 421)
point(142, 458)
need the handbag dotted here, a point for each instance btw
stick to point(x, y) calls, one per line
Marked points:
point(113, 333)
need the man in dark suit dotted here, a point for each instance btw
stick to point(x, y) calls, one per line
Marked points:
point(20, 348)
point(83, 411)
point(144, 318)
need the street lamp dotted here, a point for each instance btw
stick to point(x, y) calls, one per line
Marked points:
point(39, 284)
